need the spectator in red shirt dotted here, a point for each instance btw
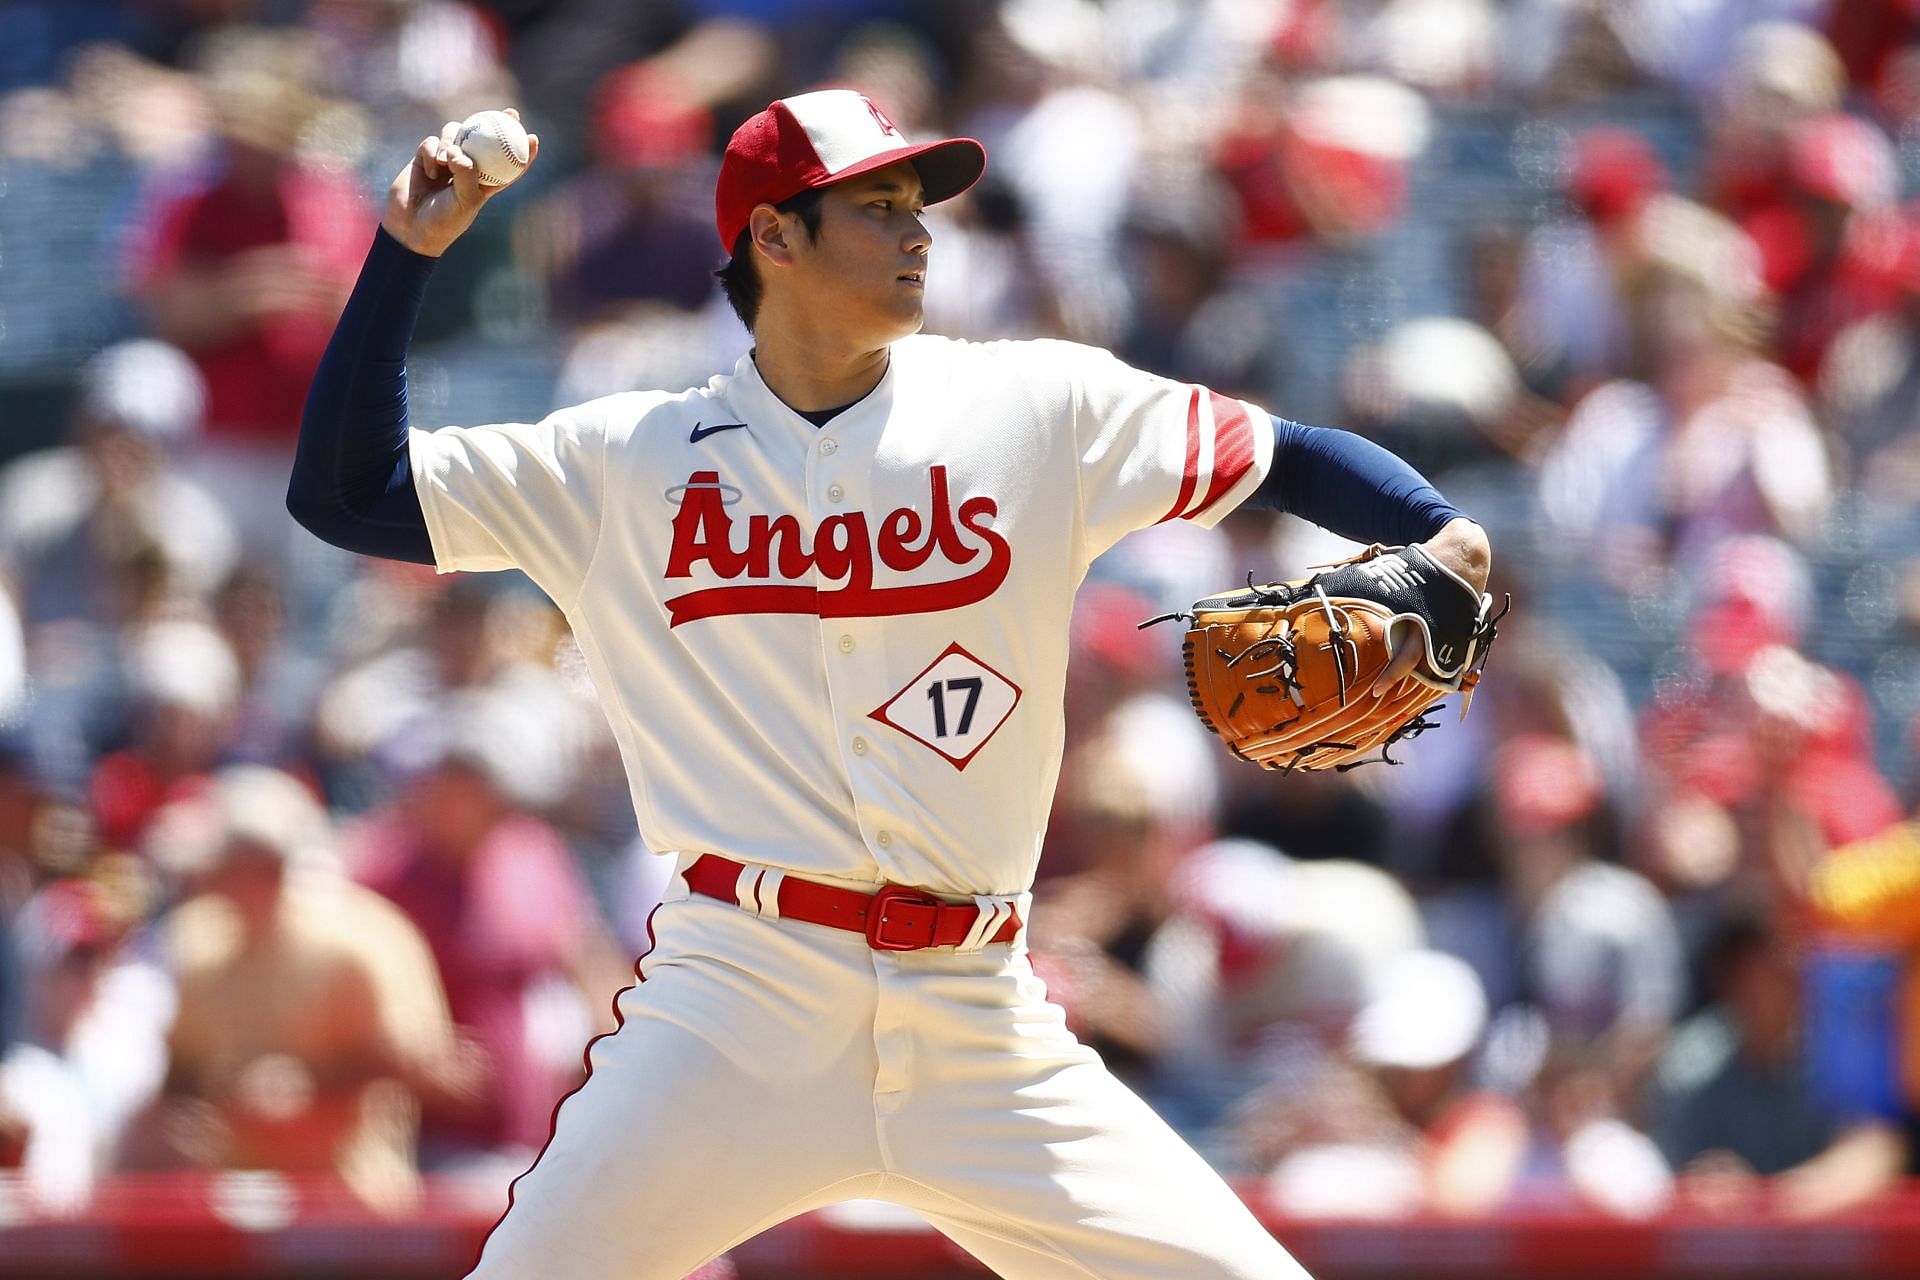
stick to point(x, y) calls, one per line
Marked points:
point(1830, 246)
point(506, 912)
point(247, 267)
point(1757, 752)
point(1323, 160)
point(1780, 74)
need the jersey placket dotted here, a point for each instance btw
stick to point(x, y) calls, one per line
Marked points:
point(839, 467)
point(838, 481)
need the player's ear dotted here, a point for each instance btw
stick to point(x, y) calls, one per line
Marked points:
point(768, 231)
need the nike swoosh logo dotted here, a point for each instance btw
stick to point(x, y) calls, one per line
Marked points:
point(701, 433)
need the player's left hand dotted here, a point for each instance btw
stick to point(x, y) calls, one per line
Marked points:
point(1320, 672)
point(1461, 547)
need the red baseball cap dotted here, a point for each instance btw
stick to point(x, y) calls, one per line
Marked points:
point(1615, 172)
point(817, 139)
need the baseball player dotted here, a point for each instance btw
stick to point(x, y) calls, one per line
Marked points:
point(824, 599)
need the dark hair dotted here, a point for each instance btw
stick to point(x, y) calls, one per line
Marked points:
point(740, 279)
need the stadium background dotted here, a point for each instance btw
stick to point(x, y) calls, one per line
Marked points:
point(1611, 978)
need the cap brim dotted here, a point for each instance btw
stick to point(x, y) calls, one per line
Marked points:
point(946, 168)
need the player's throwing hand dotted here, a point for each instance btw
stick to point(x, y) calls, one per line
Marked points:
point(438, 195)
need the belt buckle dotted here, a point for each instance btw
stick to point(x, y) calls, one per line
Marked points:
point(901, 908)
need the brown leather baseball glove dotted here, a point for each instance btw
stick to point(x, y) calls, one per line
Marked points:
point(1284, 673)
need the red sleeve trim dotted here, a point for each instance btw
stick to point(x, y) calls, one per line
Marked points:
point(1232, 448)
point(1190, 475)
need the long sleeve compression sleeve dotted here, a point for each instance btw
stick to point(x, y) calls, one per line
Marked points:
point(1347, 483)
point(352, 483)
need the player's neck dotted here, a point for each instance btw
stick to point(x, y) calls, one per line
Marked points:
point(809, 374)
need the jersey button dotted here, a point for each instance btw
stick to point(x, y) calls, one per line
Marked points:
point(859, 746)
point(846, 644)
point(884, 839)
point(828, 446)
point(835, 493)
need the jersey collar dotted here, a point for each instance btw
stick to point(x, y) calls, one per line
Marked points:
point(756, 401)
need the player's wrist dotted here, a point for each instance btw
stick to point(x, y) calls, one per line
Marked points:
point(1463, 546)
point(414, 240)
point(395, 244)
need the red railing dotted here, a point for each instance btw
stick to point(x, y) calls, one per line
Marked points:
point(267, 1228)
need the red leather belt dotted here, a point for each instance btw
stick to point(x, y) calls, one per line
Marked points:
point(896, 918)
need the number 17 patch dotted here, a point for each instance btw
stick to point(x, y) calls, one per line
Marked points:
point(953, 706)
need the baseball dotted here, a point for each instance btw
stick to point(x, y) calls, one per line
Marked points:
point(497, 145)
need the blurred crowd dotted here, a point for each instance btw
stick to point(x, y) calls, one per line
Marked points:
point(324, 865)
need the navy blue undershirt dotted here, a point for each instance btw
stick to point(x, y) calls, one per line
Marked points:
point(352, 483)
point(1349, 484)
point(821, 417)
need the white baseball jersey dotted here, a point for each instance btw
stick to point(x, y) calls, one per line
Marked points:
point(841, 650)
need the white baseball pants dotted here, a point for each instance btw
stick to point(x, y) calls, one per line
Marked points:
point(767, 1067)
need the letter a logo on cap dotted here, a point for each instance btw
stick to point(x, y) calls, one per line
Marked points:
point(886, 125)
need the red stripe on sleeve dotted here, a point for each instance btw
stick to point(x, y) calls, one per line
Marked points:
point(1232, 447)
point(1190, 477)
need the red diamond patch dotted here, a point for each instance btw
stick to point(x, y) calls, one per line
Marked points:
point(953, 706)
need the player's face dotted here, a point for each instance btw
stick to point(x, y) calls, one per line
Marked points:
point(865, 275)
